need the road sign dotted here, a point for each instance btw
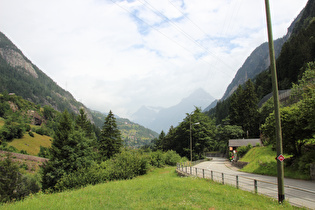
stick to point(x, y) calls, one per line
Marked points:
point(280, 157)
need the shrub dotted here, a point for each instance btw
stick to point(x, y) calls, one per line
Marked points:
point(31, 134)
point(241, 151)
point(97, 173)
point(125, 165)
point(4, 147)
point(157, 159)
point(42, 131)
point(171, 158)
point(28, 128)
point(43, 152)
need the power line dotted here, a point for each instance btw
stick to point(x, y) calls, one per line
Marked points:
point(178, 28)
point(186, 34)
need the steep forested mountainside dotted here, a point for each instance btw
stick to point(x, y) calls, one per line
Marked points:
point(258, 61)
point(20, 76)
point(295, 53)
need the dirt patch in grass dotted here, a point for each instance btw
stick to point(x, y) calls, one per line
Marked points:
point(29, 163)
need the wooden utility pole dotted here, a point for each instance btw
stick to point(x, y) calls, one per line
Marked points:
point(190, 137)
point(280, 170)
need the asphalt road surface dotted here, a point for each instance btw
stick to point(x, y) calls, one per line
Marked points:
point(297, 192)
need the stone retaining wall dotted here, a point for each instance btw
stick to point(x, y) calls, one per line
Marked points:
point(239, 164)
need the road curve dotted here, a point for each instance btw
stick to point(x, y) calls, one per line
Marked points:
point(297, 192)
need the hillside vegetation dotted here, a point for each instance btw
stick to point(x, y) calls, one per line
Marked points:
point(261, 160)
point(31, 144)
point(160, 189)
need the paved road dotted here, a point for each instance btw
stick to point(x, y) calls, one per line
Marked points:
point(297, 192)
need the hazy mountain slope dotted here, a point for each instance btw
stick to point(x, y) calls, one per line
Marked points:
point(132, 133)
point(162, 119)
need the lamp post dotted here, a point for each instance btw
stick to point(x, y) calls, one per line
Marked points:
point(197, 123)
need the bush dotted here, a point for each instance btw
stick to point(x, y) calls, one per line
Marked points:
point(11, 130)
point(125, 165)
point(43, 152)
point(171, 158)
point(27, 127)
point(82, 177)
point(4, 147)
point(31, 134)
point(24, 166)
point(42, 131)
point(157, 159)
point(306, 159)
point(23, 152)
point(241, 151)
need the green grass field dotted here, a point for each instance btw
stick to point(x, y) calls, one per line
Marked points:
point(262, 161)
point(31, 144)
point(160, 189)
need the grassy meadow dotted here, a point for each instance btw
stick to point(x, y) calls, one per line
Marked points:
point(160, 189)
point(31, 144)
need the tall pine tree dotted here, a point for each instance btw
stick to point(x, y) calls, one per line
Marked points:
point(110, 140)
point(70, 151)
point(244, 111)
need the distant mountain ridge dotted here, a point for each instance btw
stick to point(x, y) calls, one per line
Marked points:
point(158, 119)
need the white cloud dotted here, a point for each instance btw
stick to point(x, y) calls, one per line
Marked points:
point(120, 55)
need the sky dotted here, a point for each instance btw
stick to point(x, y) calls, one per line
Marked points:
point(122, 54)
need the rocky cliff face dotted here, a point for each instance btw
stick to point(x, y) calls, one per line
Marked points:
point(16, 59)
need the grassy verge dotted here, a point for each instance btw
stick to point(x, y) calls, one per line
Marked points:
point(262, 161)
point(160, 189)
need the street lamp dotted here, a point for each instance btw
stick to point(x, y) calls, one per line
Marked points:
point(197, 123)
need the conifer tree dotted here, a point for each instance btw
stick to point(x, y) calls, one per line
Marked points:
point(243, 109)
point(83, 123)
point(70, 151)
point(110, 140)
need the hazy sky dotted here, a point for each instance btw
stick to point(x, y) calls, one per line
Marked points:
point(123, 54)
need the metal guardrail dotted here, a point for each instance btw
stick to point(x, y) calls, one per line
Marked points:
point(296, 196)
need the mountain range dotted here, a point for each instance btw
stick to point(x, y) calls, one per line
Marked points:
point(158, 118)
